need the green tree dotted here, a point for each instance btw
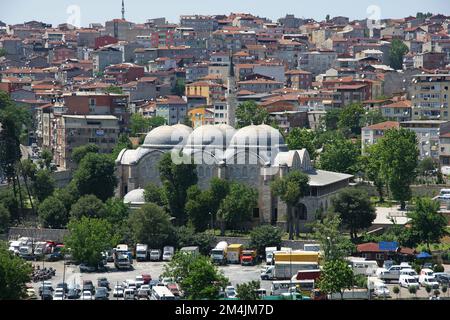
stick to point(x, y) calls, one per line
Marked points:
point(396, 53)
point(187, 237)
point(114, 89)
point(265, 236)
point(88, 238)
point(3, 52)
point(350, 119)
point(237, 207)
point(341, 155)
point(15, 273)
point(10, 202)
point(330, 119)
point(88, 206)
point(250, 112)
point(95, 175)
point(155, 194)
point(355, 209)
point(43, 184)
point(197, 276)
point(52, 213)
point(398, 155)
point(67, 195)
point(5, 218)
point(248, 291)
point(176, 179)
point(327, 18)
point(412, 290)
point(301, 138)
point(80, 152)
point(373, 168)
point(28, 171)
point(427, 221)
point(372, 117)
point(333, 243)
point(150, 224)
point(138, 124)
point(179, 88)
point(291, 189)
point(426, 165)
point(198, 207)
point(122, 143)
point(46, 159)
point(156, 121)
point(396, 290)
point(335, 277)
point(117, 212)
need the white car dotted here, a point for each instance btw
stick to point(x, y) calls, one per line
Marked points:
point(166, 281)
point(129, 294)
point(230, 292)
point(430, 281)
point(145, 287)
point(408, 281)
point(118, 291)
point(87, 295)
point(409, 272)
point(139, 281)
point(59, 294)
point(381, 290)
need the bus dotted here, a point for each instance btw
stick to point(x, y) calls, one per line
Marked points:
point(162, 293)
point(280, 287)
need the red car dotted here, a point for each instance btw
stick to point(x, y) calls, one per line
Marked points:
point(147, 278)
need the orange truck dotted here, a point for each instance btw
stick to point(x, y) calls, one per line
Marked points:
point(248, 257)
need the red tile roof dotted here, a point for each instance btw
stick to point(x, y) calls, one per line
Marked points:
point(384, 125)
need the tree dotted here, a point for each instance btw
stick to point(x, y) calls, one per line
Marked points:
point(412, 290)
point(426, 165)
point(372, 166)
point(5, 218)
point(197, 276)
point(372, 117)
point(396, 53)
point(80, 152)
point(28, 170)
point(122, 143)
point(335, 277)
point(114, 89)
point(198, 208)
point(3, 52)
point(138, 124)
point(95, 175)
point(428, 289)
point(396, 290)
point(156, 121)
point(151, 225)
point(46, 159)
point(179, 88)
point(291, 189)
point(333, 243)
point(176, 179)
point(88, 238)
point(303, 138)
point(427, 221)
point(355, 209)
point(421, 15)
point(341, 155)
point(331, 118)
point(155, 194)
point(237, 207)
point(15, 273)
point(88, 206)
point(9, 201)
point(52, 213)
point(248, 291)
point(398, 155)
point(67, 195)
point(117, 212)
point(186, 237)
point(250, 112)
point(43, 185)
point(265, 236)
point(327, 18)
point(350, 119)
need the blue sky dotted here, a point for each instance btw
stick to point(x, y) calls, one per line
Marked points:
point(55, 11)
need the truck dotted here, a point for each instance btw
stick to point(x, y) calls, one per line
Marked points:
point(168, 253)
point(269, 254)
point(155, 254)
point(234, 253)
point(362, 266)
point(26, 252)
point(142, 252)
point(392, 273)
point(313, 274)
point(219, 253)
point(195, 250)
point(297, 256)
point(248, 257)
point(283, 270)
point(122, 261)
point(352, 294)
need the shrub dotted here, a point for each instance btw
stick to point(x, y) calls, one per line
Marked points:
point(438, 268)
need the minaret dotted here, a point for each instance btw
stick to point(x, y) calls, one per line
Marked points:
point(231, 94)
point(123, 10)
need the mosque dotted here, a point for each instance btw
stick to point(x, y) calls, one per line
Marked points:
point(255, 155)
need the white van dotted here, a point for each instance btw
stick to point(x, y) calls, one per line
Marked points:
point(444, 194)
point(128, 294)
point(408, 281)
point(409, 272)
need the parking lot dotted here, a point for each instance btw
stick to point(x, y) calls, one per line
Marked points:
point(235, 273)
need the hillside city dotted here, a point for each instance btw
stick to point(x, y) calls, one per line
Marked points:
point(225, 157)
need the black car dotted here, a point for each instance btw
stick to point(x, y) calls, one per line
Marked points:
point(47, 295)
point(442, 278)
point(88, 286)
point(73, 294)
point(63, 285)
point(101, 294)
point(103, 282)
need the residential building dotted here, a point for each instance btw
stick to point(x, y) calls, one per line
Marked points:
point(298, 79)
point(371, 134)
point(430, 96)
point(316, 62)
point(105, 57)
point(201, 116)
point(397, 111)
point(172, 108)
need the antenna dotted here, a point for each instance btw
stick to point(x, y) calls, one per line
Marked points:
point(123, 10)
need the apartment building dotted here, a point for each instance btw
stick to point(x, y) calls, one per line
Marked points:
point(430, 96)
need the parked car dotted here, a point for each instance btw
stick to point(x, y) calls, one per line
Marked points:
point(87, 295)
point(166, 281)
point(47, 285)
point(118, 291)
point(430, 281)
point(73, 294)
point(88, 286)
point(59, 294)
point(230, 292)
point(101, 294)
point(63, 285)
point(31, 294)
point(129, 294)
point(85, 268)
point(408, 281)
point(103, 282)
point(143, 294)
point(147, 278)
point(153, 283)
point(47, 295)
point(442, 277)
point(139, 281)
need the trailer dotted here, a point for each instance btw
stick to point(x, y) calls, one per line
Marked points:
point(234, 253)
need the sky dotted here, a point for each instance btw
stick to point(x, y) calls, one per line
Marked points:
point(84, 12)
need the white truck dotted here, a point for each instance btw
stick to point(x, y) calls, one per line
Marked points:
point(155, 254)
point(168, 253)
point(142, 252)
point(362, 266)
point(269, 254)
point(219, 253)
point(195, 250)
point(283, 270)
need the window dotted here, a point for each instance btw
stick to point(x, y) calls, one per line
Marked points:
point(255, 212)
